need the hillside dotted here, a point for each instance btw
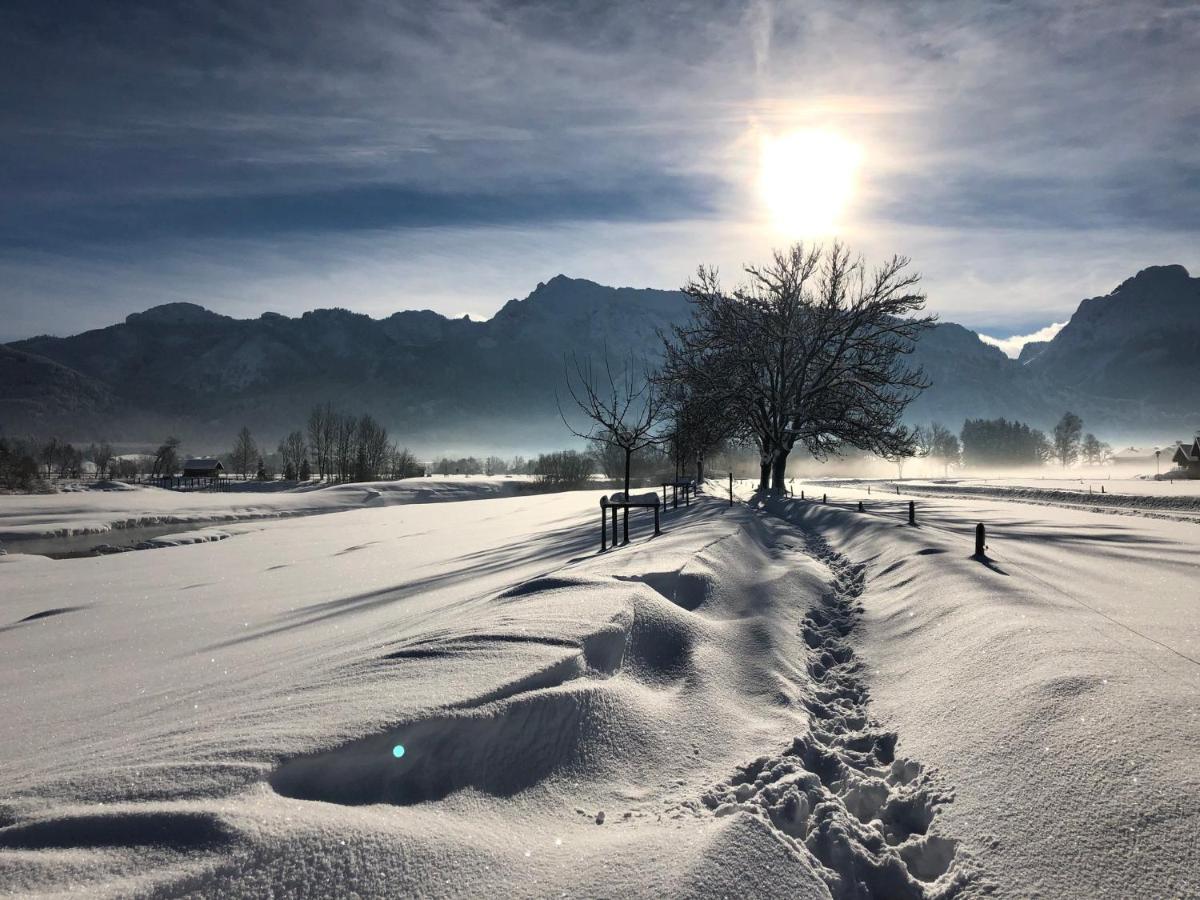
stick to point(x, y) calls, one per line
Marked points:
point(1126, 362)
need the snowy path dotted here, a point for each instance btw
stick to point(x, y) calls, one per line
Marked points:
point(1055, 685)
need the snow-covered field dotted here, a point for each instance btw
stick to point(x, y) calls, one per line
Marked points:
point(453, 699)
point(1132, 496)
point(99, 509)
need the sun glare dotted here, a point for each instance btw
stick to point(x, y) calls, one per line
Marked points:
point(807, 179)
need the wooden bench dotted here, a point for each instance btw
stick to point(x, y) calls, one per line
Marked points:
point(618, 501)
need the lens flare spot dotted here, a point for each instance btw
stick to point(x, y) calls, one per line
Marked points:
point(398, 751)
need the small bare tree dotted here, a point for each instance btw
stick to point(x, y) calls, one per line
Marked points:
point(626, 410)
point(245, 452)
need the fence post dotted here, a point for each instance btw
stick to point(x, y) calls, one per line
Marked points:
point(860, 507)
point(824, 498)
point(603, 524)
point(625, 520)
point(912, 512)
point(731, 489)
point(657, 530)
point(614, 534)
point(980, 540)
point(802, 493)
point(664, 493)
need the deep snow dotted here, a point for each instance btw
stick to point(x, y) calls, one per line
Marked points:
point(800, 700)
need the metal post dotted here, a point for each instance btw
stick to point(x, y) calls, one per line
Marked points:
point(980, 540)
point(912, 512)
point(603, 524)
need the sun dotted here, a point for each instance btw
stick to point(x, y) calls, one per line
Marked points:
point(807, 179)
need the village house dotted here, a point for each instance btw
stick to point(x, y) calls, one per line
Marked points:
point(1187, 457)
point(203, 467)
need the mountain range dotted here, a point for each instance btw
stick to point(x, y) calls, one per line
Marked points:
point(1127, 362)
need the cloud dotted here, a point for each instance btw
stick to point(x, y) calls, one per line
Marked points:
point(1013, 345)
point(1025, 154)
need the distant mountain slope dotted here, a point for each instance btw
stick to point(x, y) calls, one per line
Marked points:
point(1140, 341)
point(36, 392)
point(1128, 363)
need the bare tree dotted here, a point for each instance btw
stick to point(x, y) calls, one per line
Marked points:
point(809, 351)
point(293, 451)
point(244, 453)
point(166, 458)
point(101, 456)
point(936, 441)
point(403, 463)
point(1066, 438)
point(322, 430)
point(626, 410)
point(372, 448)
point(343, 447)
point(1095, 452)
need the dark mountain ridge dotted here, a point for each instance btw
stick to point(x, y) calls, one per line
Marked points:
point(1127, 362)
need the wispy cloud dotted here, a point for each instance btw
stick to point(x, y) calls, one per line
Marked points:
point(1003, 143)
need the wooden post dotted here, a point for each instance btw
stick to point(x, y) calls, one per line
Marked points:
point(860, 507)
point(731, 489)
point(912, 512)
point(625, 521)
point(980, 540)
point(603, 524)
point(657, 530)
point(614, 534)
point(664, 493)
point(801, 493)
point(824, 498)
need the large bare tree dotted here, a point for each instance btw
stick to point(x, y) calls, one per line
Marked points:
point(808, 351)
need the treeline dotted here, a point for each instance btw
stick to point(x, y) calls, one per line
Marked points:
point(26, 461)
point(1003, 443)
point(333, 445)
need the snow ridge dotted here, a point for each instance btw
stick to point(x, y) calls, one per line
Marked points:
point(840, 793)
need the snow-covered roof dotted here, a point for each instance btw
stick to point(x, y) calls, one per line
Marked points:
point(202, 462)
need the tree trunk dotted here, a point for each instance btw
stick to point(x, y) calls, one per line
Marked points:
point(628, 457)
point(699, 469)
point(764, 479)
point(778, 467)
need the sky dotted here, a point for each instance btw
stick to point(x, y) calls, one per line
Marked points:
point(380, 156)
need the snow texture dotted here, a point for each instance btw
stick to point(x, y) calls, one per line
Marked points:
point(457, 699)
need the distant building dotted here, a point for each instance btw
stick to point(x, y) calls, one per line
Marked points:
point(1141, 456)
point(1187, 457)
point(202, 468)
